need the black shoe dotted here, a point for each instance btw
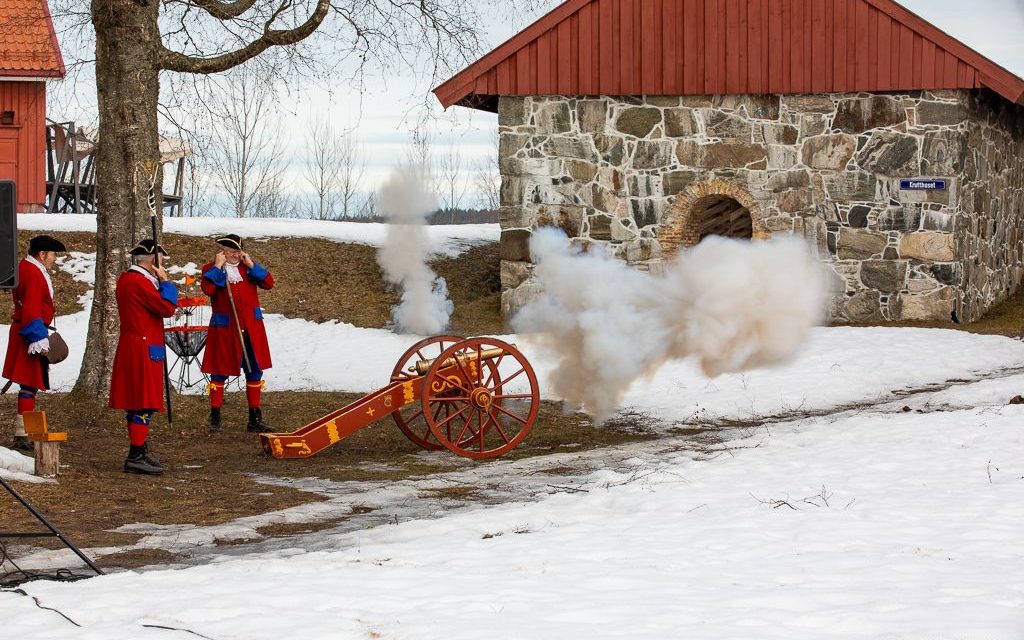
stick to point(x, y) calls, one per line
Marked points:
point(215, 419)
point(256, 424)
point(22, 443)
point(140, 465)
point(138, 461)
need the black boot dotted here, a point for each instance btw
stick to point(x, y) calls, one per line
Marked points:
point(138, 461)
point(22, 443)
point(256, 424)
point(148, 458)
point(215, 419)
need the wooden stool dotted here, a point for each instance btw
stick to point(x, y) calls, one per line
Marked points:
point(47, 443)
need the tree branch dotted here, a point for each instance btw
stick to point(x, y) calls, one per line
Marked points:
point(174, 61)
point(224, 10)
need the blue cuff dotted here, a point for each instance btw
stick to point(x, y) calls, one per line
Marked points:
point(34, 331)
point(258, 273)
point(169, 292)
point(217, 276)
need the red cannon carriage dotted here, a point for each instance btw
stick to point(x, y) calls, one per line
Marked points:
point(476, 397)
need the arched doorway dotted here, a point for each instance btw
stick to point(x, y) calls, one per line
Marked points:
point(716, 207)
point(721, 215)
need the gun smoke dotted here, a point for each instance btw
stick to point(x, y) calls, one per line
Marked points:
point(732, 305)
point(406, 201)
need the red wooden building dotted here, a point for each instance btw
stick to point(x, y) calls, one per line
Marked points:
point(647, 125)
point(29, 57)
point(698, 47)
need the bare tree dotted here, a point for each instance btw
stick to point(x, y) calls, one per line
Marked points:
point(139, 43)
point(195, 199)
point(487, 180)
point(334, 170)
point(352, 169)
point(246, 150)
point(369, 208)
point(272, 201)
point(323, 167)
point(420, 153)
point(450, 185)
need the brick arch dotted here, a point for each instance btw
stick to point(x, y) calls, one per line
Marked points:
point(685, 222)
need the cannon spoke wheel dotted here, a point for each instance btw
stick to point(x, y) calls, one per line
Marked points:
point(491, 409)
point(410, 419)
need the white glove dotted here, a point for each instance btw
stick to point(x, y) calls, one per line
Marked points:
point(39, 346)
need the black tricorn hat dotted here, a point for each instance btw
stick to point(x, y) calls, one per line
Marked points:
point(147, 248)
point(230, 240)
point(45, 243)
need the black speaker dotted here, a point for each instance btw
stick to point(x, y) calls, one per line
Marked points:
point(8, 235)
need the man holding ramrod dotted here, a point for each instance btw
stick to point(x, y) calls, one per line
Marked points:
point(237, 339)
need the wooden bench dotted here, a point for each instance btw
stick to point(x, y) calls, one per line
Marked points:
point(47, 443)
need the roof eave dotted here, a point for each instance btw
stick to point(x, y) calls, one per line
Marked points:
point(28, 74)
point(467, 77)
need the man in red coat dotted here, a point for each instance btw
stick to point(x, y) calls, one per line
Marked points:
point(233, 282)
point(29, 339)
point(144, 298)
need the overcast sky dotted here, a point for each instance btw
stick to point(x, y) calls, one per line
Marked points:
point(993, 27)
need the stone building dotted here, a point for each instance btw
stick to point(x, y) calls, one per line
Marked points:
point(646, 125)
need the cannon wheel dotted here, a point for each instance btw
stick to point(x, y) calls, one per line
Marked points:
point(410, 419)
point(485, 418)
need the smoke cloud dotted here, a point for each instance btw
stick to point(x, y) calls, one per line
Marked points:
point(732, 305)
point(405, 200)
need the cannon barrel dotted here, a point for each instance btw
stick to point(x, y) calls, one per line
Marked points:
point(421, 367)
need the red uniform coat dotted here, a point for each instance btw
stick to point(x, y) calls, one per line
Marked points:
point(138, 379)
point(223, 351)
point(33, 312)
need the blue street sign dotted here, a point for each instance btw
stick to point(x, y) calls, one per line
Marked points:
point(922, 185)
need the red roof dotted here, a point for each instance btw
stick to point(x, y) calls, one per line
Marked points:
point(698, 47)
point(28, 43)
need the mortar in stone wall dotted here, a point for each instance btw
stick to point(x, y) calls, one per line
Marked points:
point(622, 171)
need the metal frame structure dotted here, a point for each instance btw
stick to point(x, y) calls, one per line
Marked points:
point(51, 532)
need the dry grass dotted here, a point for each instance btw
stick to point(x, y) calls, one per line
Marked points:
point(210, 477)
point(474, 283)
point(321, 280)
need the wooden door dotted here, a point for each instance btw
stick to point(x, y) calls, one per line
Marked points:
point(9, 154)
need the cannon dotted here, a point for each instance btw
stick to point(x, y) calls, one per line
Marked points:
point(476, 397)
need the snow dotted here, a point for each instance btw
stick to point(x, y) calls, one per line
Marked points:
point(448, 240)
point(17, 466)
point(865, 522)
point(862, 525)
point(873, 492)
point(839, 366)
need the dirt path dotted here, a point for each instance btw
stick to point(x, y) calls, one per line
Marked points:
point(214, 480)
point(224, 498)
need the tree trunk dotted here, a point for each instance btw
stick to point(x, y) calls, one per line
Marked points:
point(127, 83)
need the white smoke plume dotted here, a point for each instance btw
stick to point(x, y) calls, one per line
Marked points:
point(733, 305)
point(405, 200)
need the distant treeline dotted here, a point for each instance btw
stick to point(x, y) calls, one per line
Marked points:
point(441, 216)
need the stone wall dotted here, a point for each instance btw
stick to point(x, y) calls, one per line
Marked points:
point(622, 172)
point(989, 240)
